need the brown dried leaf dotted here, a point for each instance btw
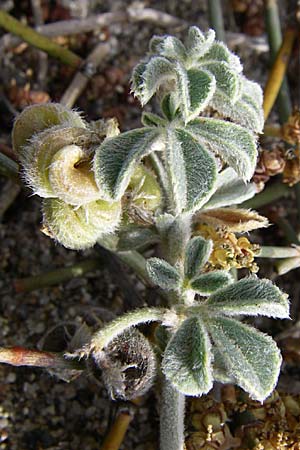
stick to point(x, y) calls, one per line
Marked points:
point(233, 219)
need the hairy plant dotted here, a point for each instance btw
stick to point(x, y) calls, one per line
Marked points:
point(190, 163)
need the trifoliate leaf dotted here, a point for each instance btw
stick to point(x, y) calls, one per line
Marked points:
point(152, 120)
point(235, 145)
point(168, 46)
point(149, 75)
point(195, 90)
point(227, 80)
point(198, 43)
point(219, 368)
point(218, 52)
point(163, 274)
point(197, 254)
point(230, 190)
point(116, 159)
point(250, 296)
point(250, 356)
point(233, 219)
point(187, 359)
point(192, 171)
point(169, 106)
point(207, 283)
point(247, 110)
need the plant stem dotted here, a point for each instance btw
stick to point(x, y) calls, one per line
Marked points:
point(216, 18)
point(8, 167)
point(297, 193)
point(81, 79)
point(273, 130)
point(268, 195)
point(39, 41)
point(289, 232)
point(56, 276)
point(278, 252)
point(273, 27)
point(115, 437)
point(277, 73)
point(135, 261)
point(104, 336)
point(285, 265)
point(171, 418)
point(19, 356)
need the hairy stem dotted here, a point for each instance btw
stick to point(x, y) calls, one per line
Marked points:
point(104, 336)
point(135, 261)
point(171, 418)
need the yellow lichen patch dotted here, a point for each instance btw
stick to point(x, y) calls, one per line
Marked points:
point(229, 251)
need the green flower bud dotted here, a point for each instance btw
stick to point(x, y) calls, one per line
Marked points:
point(79, 228)
point(36, 118)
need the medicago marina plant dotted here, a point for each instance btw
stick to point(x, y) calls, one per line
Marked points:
point(167, 182)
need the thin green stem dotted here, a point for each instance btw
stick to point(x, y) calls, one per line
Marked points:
point(8, 167)
point(268, 195)
point(56, 276)
point(285, 265)
point(39, 41)
point(274, 34)
point(289, 232)
point(216, 18)
point(171, 418)
point(297, 192)
point(278, 252)
point(137, 262)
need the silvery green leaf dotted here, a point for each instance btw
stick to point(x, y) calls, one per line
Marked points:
point(133, 237)
point(169, 106)
point(168, 46)
point(235, 144)
point(227, 80)
point(198, 43)
point(197, 253)
point(207, 283)
point(187, 359)
point(250, 296)
point(250, 356)
point(152, 120)
point(219, 52)
point(149, 75)
point(247, 110)
point(192, 171)
point(230, 190)
point(219, 369)
point(163, 274)
point(117, 157)
point(195, 90)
